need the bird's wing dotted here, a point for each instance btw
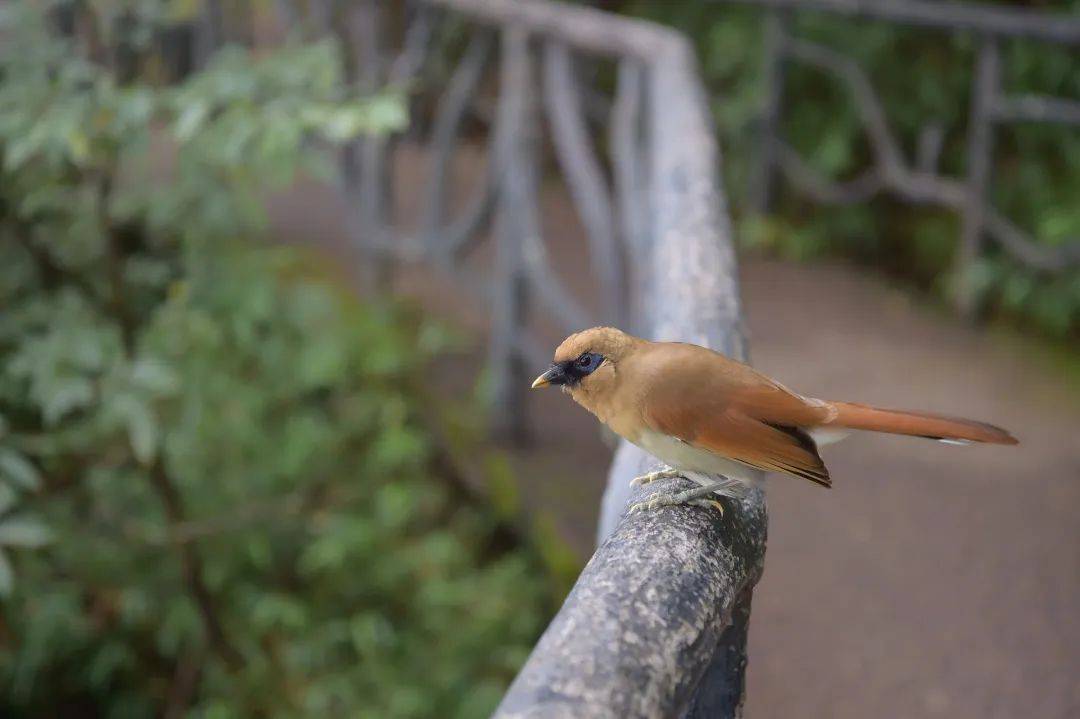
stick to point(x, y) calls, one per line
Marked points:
point(723, 406)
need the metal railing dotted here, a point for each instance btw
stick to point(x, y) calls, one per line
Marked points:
point(656, 624)
point(640, 635)
point(920, 183)
point(537, 79)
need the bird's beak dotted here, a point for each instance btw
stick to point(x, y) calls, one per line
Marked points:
point(555, 375)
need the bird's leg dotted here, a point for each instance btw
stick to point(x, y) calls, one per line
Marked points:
point(669, 473)
point(696, 496)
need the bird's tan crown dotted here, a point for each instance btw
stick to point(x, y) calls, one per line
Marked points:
point(610, 342)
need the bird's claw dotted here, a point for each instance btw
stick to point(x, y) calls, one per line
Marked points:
point(709, 504)
point(642, 506)
point(644, 479)
point(669, 500)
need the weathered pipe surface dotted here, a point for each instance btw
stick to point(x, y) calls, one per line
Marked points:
point(644, 623)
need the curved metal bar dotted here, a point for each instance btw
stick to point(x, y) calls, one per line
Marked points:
point(862, 90)
point(322, 16)
point(759, 195)
point(593, 31)
point(526, 348)
point(626, 140)
point(980, 142)
point(821, 188)
point(452, 107)
point(923, 185)
point(929, 188)
point(1018, 244)
point(982, 17)
point(516, 220)
point(414, 49)
point(584, 177)
point(287, 13)
point(1037, 108)
point(565, 309)
point(891, 172)
point(463, 234)
point(928, 152)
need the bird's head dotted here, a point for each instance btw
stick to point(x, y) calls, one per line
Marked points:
point(586, 359)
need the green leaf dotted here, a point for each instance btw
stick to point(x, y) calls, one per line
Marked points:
point(78, 145)
point(154, 375)
point(19, 151)
point(64, 394)
point(143, 432)
point(7, 576)
point(24, 532)
point(7, 498)
point(19, 470)
point(385, 113)
point(133, 412)
point(190, 120)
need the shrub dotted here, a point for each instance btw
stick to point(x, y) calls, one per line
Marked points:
point(218, 487)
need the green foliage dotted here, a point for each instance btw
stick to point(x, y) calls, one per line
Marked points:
point(217, 484)
point(922, 77)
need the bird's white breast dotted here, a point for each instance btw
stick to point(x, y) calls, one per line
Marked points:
point(682, 456)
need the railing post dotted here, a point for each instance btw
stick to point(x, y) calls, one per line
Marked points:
point(760, 196)
point(629, 176)
point(516, 220)
point(979, 157)
point(373, 183)
point(584, 177)
point(209, 31)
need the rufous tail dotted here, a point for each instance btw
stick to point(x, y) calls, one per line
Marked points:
point(917, 424)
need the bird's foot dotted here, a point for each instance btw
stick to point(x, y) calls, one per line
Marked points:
point(669, 473)
point(708, 504)
point(697, 497)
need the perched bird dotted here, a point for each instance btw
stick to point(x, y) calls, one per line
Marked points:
point(714, 420)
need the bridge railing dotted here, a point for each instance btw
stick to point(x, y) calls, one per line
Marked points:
point(919, 182)
point(656, 624)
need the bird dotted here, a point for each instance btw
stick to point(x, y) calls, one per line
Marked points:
point(718, 421)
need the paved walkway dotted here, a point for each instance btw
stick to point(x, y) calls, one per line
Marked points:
point(931, 580)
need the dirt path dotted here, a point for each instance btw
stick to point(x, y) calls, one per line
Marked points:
point(931, 580)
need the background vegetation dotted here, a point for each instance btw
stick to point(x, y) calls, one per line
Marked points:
point(922, 76)
point(221, 492)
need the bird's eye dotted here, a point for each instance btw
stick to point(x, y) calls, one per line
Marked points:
point(584, 360)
